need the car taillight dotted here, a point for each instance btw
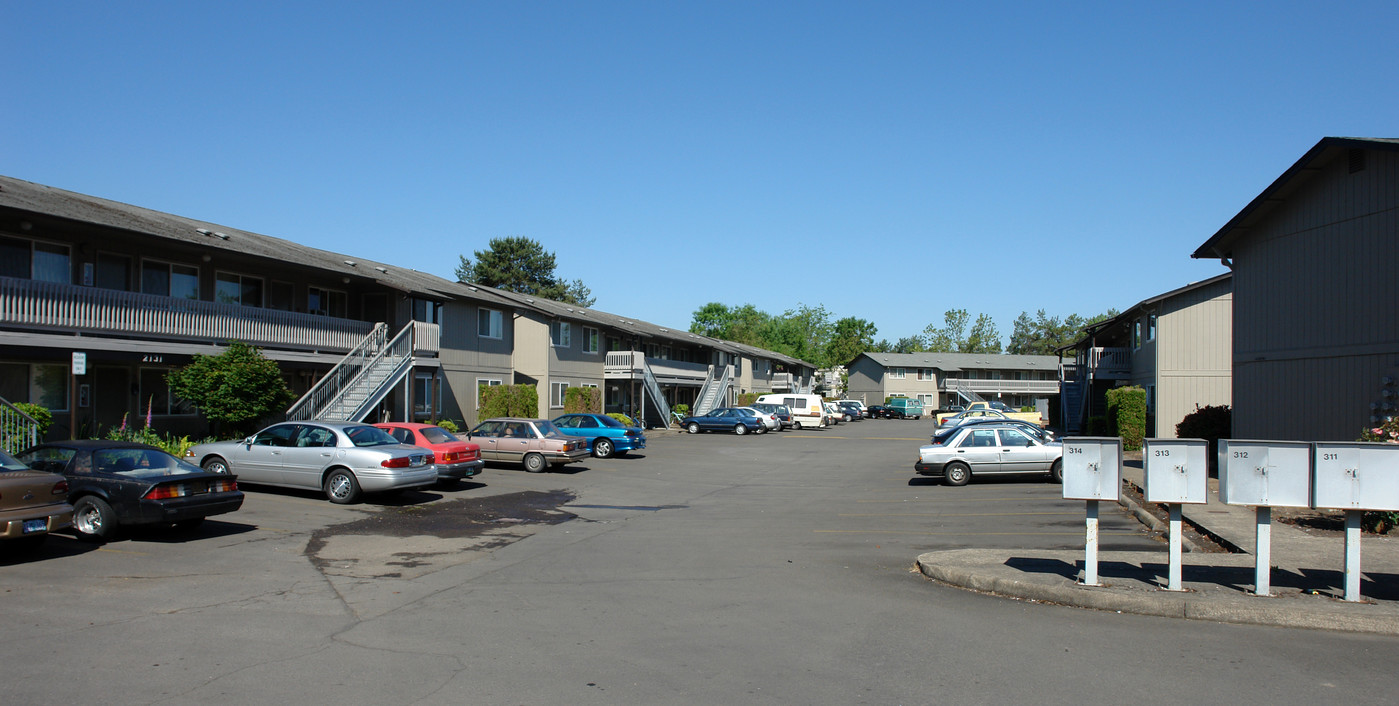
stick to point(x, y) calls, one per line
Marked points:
point(223, 486)
point(633, 433)
point(396, 462)
point(60, 488)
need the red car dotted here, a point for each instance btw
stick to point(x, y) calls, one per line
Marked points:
point(456, 459)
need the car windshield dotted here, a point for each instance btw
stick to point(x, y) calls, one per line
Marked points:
point(140, 463)
point(363, 436)
point(10, 463)
point(438, 435)
point(607, 421)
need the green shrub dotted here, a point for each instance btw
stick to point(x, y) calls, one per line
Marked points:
point(1127, 415)
point(748, 398)
point(682, 408)
point(237, 387)
point(1210, 423)
point(622, 418)
point(14, 437)
point(508, 401)
point(582, 399)
point(449, 425)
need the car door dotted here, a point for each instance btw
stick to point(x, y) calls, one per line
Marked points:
point(981, 450)
point(261, 460)
point(485, 435)
point(515, 439)
point(1021, 454)
point(311, 451)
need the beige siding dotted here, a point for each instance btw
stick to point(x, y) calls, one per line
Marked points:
point(1192, 347)
point(532, 353)
point(1314, 309)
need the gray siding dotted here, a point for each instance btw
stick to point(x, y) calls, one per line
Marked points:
point(1314, 310)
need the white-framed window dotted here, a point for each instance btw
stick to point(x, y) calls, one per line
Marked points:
point(898, 373)
point(490, 324)
point(590, 340)
point(424, 402)
point(326, 302)
point(233, 288)
point(557, 390)
point(561, 334)
point(926, 374)
point(928, 400)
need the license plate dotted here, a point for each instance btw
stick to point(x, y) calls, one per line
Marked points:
point(32, 526)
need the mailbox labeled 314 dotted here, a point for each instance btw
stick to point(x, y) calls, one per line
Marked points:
point(1092, 468)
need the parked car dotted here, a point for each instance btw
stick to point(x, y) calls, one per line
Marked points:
point(722, 419)
point(903, 408)
point(32, 504)
point(1044, 435)
point(834, 414)
point(455, 459)
point(605, 435)
point(342, 459)
point(989, 449)
point(781, 411)
point(864, 411)
point(769, 420)
point(808, 411)
point(114, 484)
point(877, 411)
point(963, 417)
point(535, 443)
point(853, 413)
point(998, 408)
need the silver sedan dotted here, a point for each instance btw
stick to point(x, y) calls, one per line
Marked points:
point(343, 459)
point(989, 449)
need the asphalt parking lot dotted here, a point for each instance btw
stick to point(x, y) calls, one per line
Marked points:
point(733, 542)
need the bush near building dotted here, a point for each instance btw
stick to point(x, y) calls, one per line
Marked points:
point(1127, 415)
point(508, 401)
point(582, 399)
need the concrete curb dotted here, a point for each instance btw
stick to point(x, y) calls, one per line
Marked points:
point(975, 570)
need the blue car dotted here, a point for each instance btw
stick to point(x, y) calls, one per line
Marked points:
point(606, 436)
point(737, 421)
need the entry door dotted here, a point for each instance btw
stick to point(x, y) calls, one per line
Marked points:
point(111, 396)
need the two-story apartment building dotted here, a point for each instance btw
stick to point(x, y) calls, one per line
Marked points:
point(140, 292)
point(1315, 352)
point(1175, 346)
point(942, 379)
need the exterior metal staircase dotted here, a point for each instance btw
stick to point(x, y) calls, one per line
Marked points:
point(361, 380)
point(715, 390)
point(18, 430)
point(655, 398)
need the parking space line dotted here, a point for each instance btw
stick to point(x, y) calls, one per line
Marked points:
point(1114, 533)
point(940, 514)
point(962, 500)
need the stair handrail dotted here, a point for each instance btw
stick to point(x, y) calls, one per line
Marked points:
point(16, 426)
point(400, 350)
point(329, 387)
point(656, 393)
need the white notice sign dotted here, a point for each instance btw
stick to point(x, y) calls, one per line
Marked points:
point(80, 364)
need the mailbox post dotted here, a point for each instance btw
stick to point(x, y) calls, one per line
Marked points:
point(1092, 472)
point(1355, 477)
point(1176, 472)
point(1265, 474)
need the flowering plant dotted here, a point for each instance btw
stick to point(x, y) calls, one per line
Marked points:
point(1387, 432)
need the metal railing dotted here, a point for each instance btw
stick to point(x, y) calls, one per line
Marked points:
point(1106, 361)
point(657, 395)
point(341, 376)
point(715, 389)
point(18, 430)
point(69, 308)
point(630, 365)
point(978, 386)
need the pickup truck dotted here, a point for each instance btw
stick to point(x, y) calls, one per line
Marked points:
point(993, 409)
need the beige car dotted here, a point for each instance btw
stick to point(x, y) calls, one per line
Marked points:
point(536, 443)
point(32, 504)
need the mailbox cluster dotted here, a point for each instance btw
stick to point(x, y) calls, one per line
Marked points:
point(1350, 476)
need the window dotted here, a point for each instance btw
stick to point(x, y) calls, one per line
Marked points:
point(1137, 334)
point(590, 340)
point(897, 373)
point(427, 311)
point(1151, 327)
point(51, 263)
point(114, 272)
point(928, 400)
point(14, 257)
point(48, 386)
point(615, 344)
point(489, 324)
point(980, 437)
point(326, 302)
point(556, 393)
point(926, 374)
point(561, 334)
point(424, 402)
point(232, 288)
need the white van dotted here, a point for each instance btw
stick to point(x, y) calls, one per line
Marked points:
point(807, 410)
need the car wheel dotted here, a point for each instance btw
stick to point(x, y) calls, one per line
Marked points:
point(216, 465)
point(797, 426)
point(93, 519)
point(740, 429)
point(602, 448)
point(534, 463)
point(957, 473)
point(693, 428)
point(341, 487)
point(1056, 471)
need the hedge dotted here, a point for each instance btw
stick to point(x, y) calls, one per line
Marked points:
point(1127, 415)
point(508, 401)
point(582, 399)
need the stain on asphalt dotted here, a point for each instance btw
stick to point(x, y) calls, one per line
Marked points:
point(464, 518)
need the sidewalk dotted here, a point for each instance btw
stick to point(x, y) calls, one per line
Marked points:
point(1308, 582)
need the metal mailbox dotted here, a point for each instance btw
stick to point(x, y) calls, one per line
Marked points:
point(1265, 473)
point(1092, 468)
point(1176, 470)
point(1355, 475)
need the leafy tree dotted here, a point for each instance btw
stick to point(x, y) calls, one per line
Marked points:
point(520, 264)
point(237, 387)
point(909, 344)
point(807, 330)
point(983, 338)
point(882, 346)
point(1043, 334)
point(953, 336)
point(744, 324)
point(850, 337)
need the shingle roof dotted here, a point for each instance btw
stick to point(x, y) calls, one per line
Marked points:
point(965, 361)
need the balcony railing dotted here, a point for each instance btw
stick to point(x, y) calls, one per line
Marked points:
point(1107, 362)
point(1023, 387)
point(782, 382)
point(69, 308)
point(630, 365)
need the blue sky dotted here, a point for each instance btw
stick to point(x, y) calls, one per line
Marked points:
point(887, 160)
